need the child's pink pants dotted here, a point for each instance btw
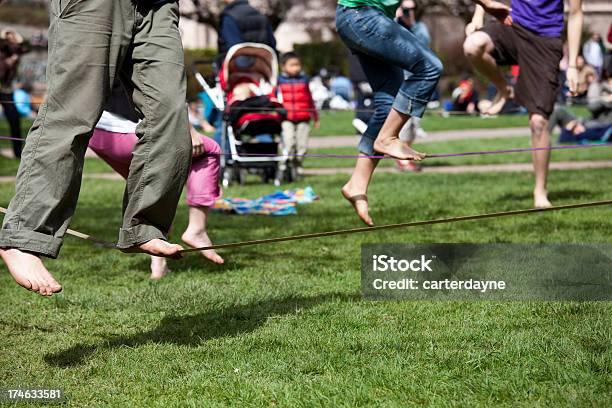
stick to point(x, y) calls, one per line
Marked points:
point(203, 182)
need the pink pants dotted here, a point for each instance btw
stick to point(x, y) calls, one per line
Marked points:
point(203, 182)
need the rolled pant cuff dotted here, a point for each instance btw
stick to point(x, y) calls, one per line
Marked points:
point(409, 105)
point(201, 201)
point(366, 145)
point(129, 237)
point(31, 241)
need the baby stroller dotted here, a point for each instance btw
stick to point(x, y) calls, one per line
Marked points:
point(245, 92)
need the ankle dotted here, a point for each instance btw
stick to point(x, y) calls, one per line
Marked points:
point(194, 231)
point(540, 191)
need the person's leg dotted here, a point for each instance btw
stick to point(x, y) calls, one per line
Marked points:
point(536, 89)
point(302, 136)
point(114, 148)
point(12, 116)
point(202, 192)
point(388, 41)
point(288, 143)
point(162, 157)
point(196, 235)
point(540, 138)
point(385, 49)
point(356, 189)
point(385, 82)
point(49, 177)
point(478, 48)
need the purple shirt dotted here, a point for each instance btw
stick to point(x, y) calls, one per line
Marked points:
point(543, 17)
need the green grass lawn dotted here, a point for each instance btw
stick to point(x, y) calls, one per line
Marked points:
point(469, 145)
point(284, 325)
point(339, 123)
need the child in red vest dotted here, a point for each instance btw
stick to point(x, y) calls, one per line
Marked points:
point(297, 99)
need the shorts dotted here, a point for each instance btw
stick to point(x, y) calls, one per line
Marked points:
point(538, 59)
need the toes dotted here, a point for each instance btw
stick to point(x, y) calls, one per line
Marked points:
point(56, 288)
point(30, 285)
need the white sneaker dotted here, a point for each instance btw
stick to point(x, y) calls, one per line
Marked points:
point(407, 133)
point(421, 133)
point(360, 125)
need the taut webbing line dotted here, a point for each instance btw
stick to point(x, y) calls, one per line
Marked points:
point(400, 225)
point(359, 230)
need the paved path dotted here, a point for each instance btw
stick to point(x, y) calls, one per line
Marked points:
point(352, 141)
point(480, 168)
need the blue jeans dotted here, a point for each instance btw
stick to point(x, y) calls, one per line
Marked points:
point(385, 50)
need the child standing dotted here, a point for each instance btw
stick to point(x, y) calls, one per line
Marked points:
point(297, 99)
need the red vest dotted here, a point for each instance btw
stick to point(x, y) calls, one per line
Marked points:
point(297, 98)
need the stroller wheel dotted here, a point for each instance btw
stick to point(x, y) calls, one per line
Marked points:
point(227, 177)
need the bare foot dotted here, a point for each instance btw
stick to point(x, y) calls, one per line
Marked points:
point(156, 247)
point(503, 95)
point(359, 201)
point(397, 149)
point(159, 267)
point(28, 271)
point(540, 199)
point(198, 239)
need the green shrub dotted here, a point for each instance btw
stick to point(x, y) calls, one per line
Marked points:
point(332, 55)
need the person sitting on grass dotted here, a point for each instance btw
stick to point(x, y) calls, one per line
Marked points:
point(114, 139)
point(385, 51)
point(599, 98)
point(301, 109)
point(465, 97)
point(578, 130)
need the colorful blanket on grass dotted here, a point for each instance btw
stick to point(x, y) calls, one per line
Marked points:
point(277, 203)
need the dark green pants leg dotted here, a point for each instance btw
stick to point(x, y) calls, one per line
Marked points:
point(155, 75)
point(89, 42)
point(86, 43)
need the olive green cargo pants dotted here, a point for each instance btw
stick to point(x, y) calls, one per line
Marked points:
point(92, 44)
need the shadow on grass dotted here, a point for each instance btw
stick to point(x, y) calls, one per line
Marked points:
point(235, 260)
point(193, 330)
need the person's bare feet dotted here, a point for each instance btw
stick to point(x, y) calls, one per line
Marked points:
point(198, 239)
point(28, 271)
point(540, 199)
point(159, 267)
point(359, 201)
point(397, 149)
point(503, 96)
point(156, 247)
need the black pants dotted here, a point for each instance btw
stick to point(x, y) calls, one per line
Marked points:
point(12, 116)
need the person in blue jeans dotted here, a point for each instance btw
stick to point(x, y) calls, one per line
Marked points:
point(385, 49)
